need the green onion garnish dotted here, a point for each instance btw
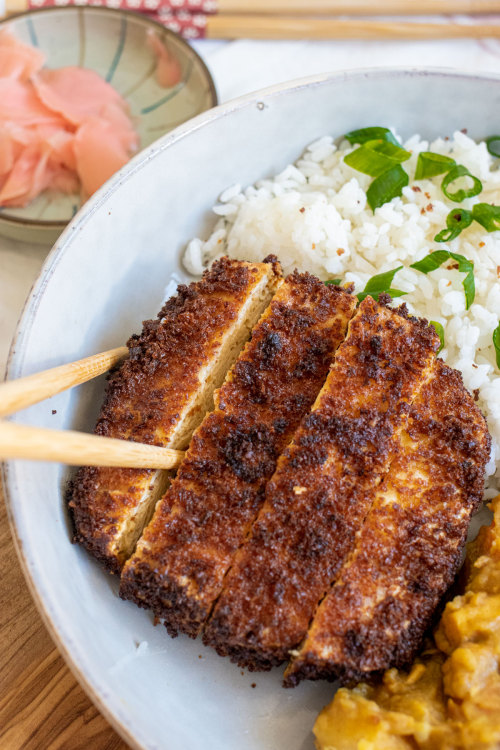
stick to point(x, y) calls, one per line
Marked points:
point(335, 282)
point(493, 145)
point(381, 284)
point(459, 195)
point(389, 149)
point(376, 157)
point(430, 164)
point(496, 344)
point(369, 134)
point(387, 186)
point(456, 220)
point(440, 332)
point(438, 257)
point(487, 215)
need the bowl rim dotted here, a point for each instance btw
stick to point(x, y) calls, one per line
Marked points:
point(55, 224)
point(118, 719)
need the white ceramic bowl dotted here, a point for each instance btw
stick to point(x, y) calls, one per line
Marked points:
point(108, 272)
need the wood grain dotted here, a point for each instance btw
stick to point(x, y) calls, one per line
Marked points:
point(42, 707)
point(81, 449)
point(248, 26)
point(22, 392)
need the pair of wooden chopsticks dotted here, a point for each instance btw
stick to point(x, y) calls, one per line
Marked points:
point(301, 19)
point(66, 446)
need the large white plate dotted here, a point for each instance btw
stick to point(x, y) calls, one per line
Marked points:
point(107, 273)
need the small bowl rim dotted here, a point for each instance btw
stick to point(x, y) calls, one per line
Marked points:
point(45, 224)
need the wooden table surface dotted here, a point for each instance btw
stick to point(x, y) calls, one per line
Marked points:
point(42, 706)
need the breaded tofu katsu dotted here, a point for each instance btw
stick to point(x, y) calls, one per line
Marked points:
point(323, 488)
point(161, 393)
point(179, 566)
point(322, 506)
point(409, 548)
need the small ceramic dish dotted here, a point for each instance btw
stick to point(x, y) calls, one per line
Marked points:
point(114, 44)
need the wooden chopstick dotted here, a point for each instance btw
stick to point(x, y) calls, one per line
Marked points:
point(23, 392)
point(290, 7)
point(357, 7)
point(250, 26)
point(80, 449)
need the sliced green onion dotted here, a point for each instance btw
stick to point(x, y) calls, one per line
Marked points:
point(440, 332)
point(387, 186)
point(493, 145)
point(459, 195)
point(381, 284)
point(369, 134)
point(376, 157)
point(496, 344)
point(487, 215)
point(335, 282)
point(430, 164)
point(369, 162)
point(438, 257)
point(389, 149)
point(456, 220)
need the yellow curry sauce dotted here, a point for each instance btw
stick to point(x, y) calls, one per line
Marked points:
point(450, 698)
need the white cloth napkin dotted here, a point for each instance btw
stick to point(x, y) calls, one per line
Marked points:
point(238, 68)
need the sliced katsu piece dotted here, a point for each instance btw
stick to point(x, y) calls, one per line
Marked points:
point(323, 488)
point(161, 393)
point(410, 546)
point(183, 555)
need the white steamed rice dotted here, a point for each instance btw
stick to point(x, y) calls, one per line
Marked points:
point(338, 236)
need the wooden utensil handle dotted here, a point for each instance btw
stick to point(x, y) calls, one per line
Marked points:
point(357, 7)
point(80, 449)
point(240, 26)
point(284, 7)
point(23, 392)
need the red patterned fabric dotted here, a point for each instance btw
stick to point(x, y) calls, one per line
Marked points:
point(177, 7)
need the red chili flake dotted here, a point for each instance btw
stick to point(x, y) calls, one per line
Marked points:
point(302, 210)
point(254, 684)
point(449, 283)
point(481, 244)
point(498, 271)
point(464, 131)
point(314, 246)
point(340, 251)
point(416, 189)
point(427, 195)
point(422, 211)
point(54, 411)
point(452, 267)
point(429, 207)
point(474, 366)
point(476, 394)
point(447, 137)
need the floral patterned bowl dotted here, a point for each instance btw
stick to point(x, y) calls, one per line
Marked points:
point(114, 44)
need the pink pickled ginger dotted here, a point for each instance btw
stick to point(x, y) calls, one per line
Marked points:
point(168, 69)
point(64, 129)
point(18, 60)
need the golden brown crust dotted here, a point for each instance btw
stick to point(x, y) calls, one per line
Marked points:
point(409, 548)
point(186, 550)
point(146, 396)
point(322, 488)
